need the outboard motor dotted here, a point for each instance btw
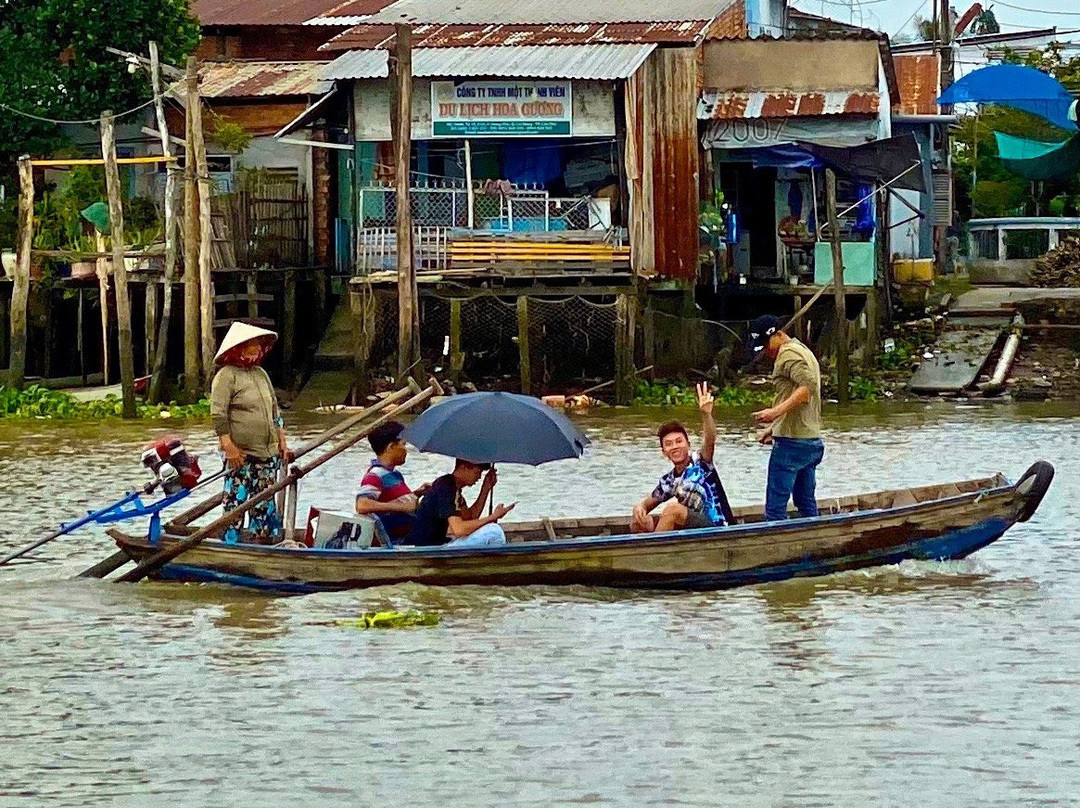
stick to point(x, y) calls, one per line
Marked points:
point(173, 468)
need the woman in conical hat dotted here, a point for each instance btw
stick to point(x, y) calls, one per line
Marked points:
point(246, 418)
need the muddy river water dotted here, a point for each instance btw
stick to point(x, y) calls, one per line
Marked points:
point(924, 684)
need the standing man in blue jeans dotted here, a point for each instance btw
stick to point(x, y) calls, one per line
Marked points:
point(792, 423)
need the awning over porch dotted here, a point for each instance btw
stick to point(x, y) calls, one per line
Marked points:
point(893, 161)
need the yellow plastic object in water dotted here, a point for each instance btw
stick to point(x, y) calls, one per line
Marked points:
point(390, 620)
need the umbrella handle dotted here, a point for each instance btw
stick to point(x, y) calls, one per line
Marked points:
point(491, 497)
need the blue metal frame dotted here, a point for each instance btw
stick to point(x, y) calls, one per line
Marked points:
point(119, 512)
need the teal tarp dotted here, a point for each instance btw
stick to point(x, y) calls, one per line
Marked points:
point(1037, 159)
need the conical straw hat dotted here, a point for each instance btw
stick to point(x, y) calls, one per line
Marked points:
point(239, 333)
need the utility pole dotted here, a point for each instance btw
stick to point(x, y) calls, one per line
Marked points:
point(945, 62)
point(116, 232)
point(839, 293)
point(401, 118)
point(945, 80)
point(161, 344)
point(192, 342)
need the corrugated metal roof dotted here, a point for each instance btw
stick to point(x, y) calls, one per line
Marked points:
point(468, 35)
point(597, 62)
point(279, 12)
point(918, 77)
point(512, 12)
point(261, 79)
point(736, 105)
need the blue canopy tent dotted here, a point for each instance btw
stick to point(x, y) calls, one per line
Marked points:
point(1034, 92)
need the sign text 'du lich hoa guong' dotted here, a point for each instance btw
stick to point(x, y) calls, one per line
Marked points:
point(500, 108)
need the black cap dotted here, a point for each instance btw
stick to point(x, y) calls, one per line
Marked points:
point(760, 330)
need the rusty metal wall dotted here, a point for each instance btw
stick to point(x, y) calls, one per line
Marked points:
point(675, 166)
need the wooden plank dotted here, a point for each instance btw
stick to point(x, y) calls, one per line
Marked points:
point(241, 298)
point(91, 161)
point(264, 322)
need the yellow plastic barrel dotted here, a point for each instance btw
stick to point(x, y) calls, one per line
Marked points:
point(913, 270)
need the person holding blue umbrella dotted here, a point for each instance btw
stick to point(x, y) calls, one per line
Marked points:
point(444, 518)
point(480, 430)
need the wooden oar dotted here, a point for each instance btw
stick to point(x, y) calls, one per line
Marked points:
point(153, 563)
point(207, 505)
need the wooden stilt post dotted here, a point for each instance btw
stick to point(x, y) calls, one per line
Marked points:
point(625, 313)
point(102, 271)
point(161, 343)
point(523, 344)
point(192, 340)
point(20, 292)
point(5, 329)
point(288, 327)
point(470, 193)
point(457, 356)
point(206, 288)
point(873, 328)
point(116, 232)
point(843, 393)
point(408, 305)
point(150, 323)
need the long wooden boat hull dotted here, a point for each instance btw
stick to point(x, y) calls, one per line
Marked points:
point(932, 523)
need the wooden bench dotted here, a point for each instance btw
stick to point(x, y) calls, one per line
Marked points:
point(472, 252)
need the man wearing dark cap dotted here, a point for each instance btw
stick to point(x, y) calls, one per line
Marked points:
point(444, 518)
point(793, 422)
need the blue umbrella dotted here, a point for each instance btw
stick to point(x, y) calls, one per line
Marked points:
point(496, 428)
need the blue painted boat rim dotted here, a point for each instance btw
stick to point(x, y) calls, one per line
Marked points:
point(770, 529)
point(965, 540)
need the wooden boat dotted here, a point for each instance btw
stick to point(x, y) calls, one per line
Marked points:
point(934, 522)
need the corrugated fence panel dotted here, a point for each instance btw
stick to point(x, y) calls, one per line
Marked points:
point(675, 162)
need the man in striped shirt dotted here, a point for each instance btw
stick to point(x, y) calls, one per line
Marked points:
point(383, 491)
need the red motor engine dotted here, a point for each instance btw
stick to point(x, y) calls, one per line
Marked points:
point(173, 468)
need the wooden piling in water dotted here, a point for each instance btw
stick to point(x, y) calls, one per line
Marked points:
point(206, 287)
point(20, 292)
point(161, 341)
point(843, 393)
point(192, 341)
point(523, 344)
point(625, 373)
point(288, 328)
point(116, 231)
point(401, 117)
point(457, 356)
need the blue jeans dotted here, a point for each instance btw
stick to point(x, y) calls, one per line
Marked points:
point(490, 535)
point(793, 475)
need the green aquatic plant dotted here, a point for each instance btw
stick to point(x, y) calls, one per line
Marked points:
point(665, 394)
point(36, 401)
point(863, 389)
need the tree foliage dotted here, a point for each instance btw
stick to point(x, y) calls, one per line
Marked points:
point(54, 63)
point(999, 192)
